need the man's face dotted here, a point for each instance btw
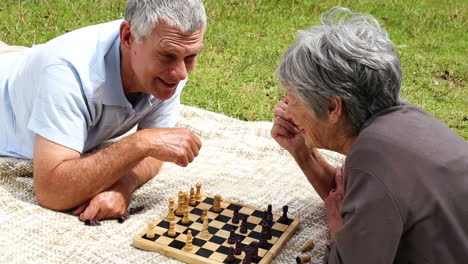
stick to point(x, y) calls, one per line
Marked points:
point(163, 59)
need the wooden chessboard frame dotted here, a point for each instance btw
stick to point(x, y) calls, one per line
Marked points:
point(140, 241)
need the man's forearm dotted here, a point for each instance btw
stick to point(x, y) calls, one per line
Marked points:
point(317, 170)
point(75, 181)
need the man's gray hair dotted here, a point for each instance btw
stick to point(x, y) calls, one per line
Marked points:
point(349, 56)
point(143, 15)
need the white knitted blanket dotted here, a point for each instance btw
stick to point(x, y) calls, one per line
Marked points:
point(239, 160)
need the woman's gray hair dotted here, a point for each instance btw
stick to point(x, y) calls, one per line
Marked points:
point(349, 56)
point(143, 15)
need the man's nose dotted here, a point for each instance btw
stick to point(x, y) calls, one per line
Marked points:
point(179, 71)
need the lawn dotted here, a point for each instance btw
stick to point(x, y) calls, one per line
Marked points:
point(245, 40)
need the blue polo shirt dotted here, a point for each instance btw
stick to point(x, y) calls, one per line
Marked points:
point(69, 91)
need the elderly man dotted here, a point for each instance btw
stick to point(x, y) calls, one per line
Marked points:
point(62, 98)
point(401, 197)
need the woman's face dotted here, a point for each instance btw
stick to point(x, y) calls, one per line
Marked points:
point(311, 127)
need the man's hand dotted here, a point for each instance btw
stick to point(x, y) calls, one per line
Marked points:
point(111, 203)
point(285, 132)
point(178, 145)
point(333, 204)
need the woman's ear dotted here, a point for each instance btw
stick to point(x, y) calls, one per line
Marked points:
point(335, 110)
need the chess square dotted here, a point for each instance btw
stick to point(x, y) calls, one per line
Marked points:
point(223, 250)
point(255, 220)
point(229, 227)
point(164, 224)
point(279, 226)
point(257, 213)
point(197, 211)
point(216, 224)
point(276, 233)
point(222, 233)
point(246, 211)
point(204, 252)
point(211, 246)
point(233, 207)
point(152, 239)
point(218, 257)
point(223, 218)
point(255, 235)
point(164, 240)
point(217, 239)
point(198, 242)
point(177, 244)
point(194, 232)
point(208, 200)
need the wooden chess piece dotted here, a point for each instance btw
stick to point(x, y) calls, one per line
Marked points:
point(185, 219)
point(243, 227)
point(192, 200)
point(284, 218)
point(170, 214)
point(235, 217)
point(254, 252)
point(309, 245)
point(180, 202)
point(205, 233)
point(188, 244)
point(186, 201)
point(198, 195)
point(151, 232)
point(238, 249)
point(232, 237)
point(230, 258)
point(171, 232)
point(217, 203)
point(204, 214)
point(302, 259)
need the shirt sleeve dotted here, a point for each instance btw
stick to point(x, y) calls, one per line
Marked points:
point(372, 223)
point(166, 113)
point(59, 112)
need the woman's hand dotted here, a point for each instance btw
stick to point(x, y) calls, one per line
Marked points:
point(285, 132)
point(333, 204)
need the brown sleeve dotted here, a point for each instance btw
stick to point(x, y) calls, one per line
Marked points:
point(372, 224)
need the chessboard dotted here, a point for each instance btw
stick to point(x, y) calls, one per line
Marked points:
point(215, 249)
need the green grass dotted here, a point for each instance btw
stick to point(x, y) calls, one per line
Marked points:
point(245, 40)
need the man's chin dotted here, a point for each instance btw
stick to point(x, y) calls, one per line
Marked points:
point(164, 95)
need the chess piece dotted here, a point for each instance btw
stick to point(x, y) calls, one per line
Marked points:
point(270, 210)
point(269, 219)
point(302, 259)
point(171, 232)
point(188, 244)
point(217, 203)
point(235, 217)
point(204, 214)
point(247, 258)
point(198, 195)
point(309, 245)
point(284, 218)
point(185, 219)
point(238, 249)
point(267, 229)
point(254, 252)
point(232, 236)
point(151, 232)
point(180, 206)
point(205, 233)
point(264, 217)
point(230, 258)
point(186, 201)
point(170, 214)
point(243, 227)
point(263, 240)
point(192, 200)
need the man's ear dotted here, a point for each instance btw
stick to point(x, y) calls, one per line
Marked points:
point(126, 36)
point(335, 109)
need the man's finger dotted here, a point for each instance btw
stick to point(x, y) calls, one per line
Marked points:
point(80, 209)
point(287, 125)
point(90, 213)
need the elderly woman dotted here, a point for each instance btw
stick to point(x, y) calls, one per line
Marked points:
point(403, 192)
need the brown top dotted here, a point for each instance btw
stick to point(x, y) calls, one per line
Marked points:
point(406, 192)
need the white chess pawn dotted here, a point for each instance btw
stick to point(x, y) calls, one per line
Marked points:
point(188, 244)
point(205, 234)
point(151, 232)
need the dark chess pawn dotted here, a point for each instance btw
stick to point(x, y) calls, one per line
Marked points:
point(270, 210)
point(243, 227)
point(269, 220)
point(264, 217)
point(263, 240)
point(284, 219)
point(267, 229)
point(230, 258)
point(238, 249)
point(254, 252)
point(235, 217)
point(232, 237)
point(247, 259)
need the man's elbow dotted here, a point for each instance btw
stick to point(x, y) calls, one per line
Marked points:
point(54, 198)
